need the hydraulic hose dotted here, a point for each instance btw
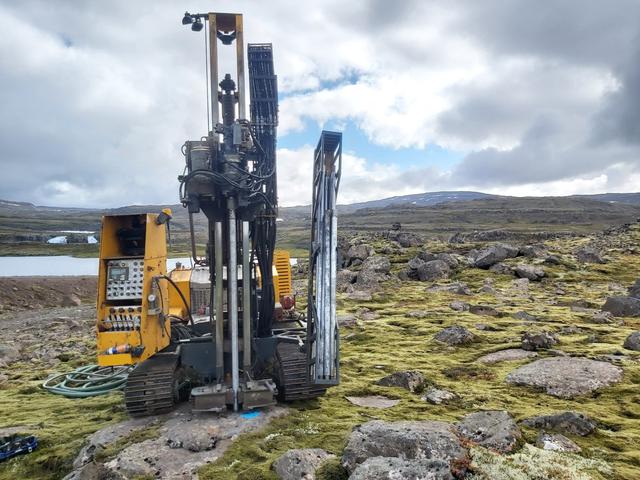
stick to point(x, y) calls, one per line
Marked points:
point(88, 381)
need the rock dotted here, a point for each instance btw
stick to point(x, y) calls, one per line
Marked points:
point(492, 429)
point(494, 254)
point(419, 440)
point(501, 269)
point(437, 396)
point(300, 464)
point(455, 335)
point(378, 264)
point(589, 255)
point(552, 260)
point(358, 252)
point(572, 423)
point(71, 300)
point(346, 320)
point(9, 353)
point(373, 401)
point(196, 439)
point(390, 468)
point(344, 278)
point(406, 239)
point(417, 314)
point(533, 251)
point(484, 310)
point(507, 355)
point(433, 270)
point(566, 377)
point(522, 315)
point(487, 328)
point(449, 259)
point(632, 342)
point(415, 263)
point(530, 272)
point(634, 290)
point(622, 306)
point(108, 436)
point(459, 306)
point(534, 341)
point(556, 442)
point(359, 296)
point(457, 288)
point(426, 256)
point(94, 471)
point(413, 381)
point(603, 318)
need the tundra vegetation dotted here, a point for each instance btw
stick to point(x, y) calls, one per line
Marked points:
point(501, 308)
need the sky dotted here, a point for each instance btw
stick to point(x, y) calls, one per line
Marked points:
point(510, 97)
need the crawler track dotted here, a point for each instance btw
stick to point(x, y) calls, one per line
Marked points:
point(153, 386)
point(293, 377)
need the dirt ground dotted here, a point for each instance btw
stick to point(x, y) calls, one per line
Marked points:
point(32, 293)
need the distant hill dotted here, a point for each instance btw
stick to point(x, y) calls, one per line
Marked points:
point(628, 198)
point(425, 199)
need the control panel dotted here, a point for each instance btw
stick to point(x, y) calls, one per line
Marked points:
point(125, 278)
point(123, 318)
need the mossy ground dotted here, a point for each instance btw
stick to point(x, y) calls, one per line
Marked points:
point(394, 342)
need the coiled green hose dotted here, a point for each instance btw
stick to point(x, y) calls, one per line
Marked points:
point(88, 381)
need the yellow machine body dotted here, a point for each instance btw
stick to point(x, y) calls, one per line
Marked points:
point(152, 334)
point(148, 333)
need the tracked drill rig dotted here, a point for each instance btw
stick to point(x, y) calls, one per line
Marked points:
point(208, 332)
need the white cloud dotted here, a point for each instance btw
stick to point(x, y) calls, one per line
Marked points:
point(97, 99)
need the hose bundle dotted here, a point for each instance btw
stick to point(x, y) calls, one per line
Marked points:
point(88, 381)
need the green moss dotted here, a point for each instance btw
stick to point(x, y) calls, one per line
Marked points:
point(396, 342)
point(61, 424)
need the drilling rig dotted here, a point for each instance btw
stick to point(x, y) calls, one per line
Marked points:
point(211, 332)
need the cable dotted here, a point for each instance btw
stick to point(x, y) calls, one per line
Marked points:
point(184, 300)
point(88, 381)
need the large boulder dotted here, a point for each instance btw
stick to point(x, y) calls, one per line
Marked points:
point(412, 380)
point(508, 355)
point(589, 255)
point(622, 306)
point(385, 468)
point(345, 278)
point(358, 252)
point(455, 335)
point(374, 270)
point(533, 251)
point(492, 429)
point(433, 270)
point(534, 341)
point(632, 342)
point(420, 440)
point(566, 377)
point(406, 239)
point(530, 272)
point(378, 264)
point(494, 254)
point(300, 464)
point(447, 258)
point(572, 423)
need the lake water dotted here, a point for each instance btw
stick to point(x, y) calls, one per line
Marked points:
point(58, 265)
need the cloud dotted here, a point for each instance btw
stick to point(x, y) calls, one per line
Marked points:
point(542, 97)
